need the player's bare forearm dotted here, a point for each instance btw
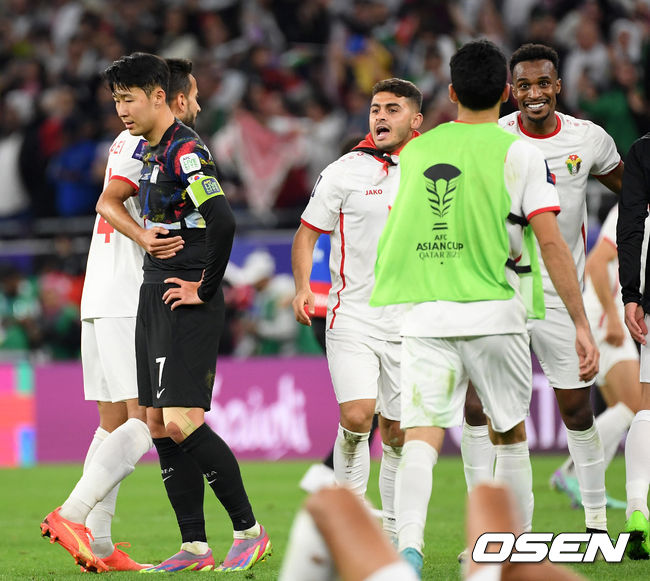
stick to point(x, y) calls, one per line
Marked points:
point(111, 207)
point(302, 251)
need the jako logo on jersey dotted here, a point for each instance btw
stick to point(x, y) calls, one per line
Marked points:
point(378, 192)
point(535, 547)
point(441, 181)
point(573, 163)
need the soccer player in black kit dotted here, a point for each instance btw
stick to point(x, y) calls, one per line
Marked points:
point(180, 317)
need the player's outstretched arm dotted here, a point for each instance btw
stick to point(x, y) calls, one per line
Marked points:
point(596, 268)
point(111, 207)
point(559, 263)
point(302, 252)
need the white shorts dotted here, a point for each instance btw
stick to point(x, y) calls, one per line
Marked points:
point(610, 354)
point(399, 571)
point(364, 367)
point(435, 372)
point(108, 359)
point(553, 340)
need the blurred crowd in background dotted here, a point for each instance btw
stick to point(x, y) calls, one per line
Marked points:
point(282, 85)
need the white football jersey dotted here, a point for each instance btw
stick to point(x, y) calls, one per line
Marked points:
point(114, 268)
point(593, 307)
point(576, 149)
point(350, 202)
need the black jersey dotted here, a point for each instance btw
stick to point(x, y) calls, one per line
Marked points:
point(179, 191)
point(632, 212)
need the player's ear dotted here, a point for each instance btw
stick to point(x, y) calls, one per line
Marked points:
point(506, 93)
point(452, 94)
point(558, 86)
point(159, 97)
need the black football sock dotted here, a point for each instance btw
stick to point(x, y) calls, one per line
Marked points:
point(221, 470)
point(183, 481)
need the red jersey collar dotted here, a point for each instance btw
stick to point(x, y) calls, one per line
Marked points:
point(535, 136)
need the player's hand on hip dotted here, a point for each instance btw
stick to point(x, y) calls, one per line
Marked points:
point(303, 307)
point(161, 247)
point(615, 333)
point(635, 321)
point(186, 293)
point(588, 354)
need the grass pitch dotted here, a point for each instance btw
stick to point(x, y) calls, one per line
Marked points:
point(145, 518)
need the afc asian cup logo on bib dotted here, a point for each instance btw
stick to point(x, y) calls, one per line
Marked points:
point(573, 163)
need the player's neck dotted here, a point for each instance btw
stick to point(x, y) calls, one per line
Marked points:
point(163, 122)
point(546, 127)
point(490, 115)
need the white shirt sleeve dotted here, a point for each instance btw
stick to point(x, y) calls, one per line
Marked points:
point(324, 207)
point(127, 165)
point(606, 157)
point(529, 181)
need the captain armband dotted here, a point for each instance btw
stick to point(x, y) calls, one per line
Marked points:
point(202, 188)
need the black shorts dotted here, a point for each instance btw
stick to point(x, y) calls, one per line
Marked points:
point(176, 351)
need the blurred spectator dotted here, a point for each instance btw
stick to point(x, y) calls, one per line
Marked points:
point(70, 170)
point(269, 326)
point(14, 200)
point(621, 110)
point(19, 311)
point(59, 324)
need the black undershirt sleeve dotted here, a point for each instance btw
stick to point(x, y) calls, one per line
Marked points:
point(632, 212)
point(220, 231)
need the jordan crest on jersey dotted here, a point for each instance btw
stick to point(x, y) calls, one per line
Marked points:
point(573, 163)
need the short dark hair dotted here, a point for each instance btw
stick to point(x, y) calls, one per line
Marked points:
point(479, 74)
point(534, 52)
point(139, 69)
point(401, 88)
point(179, 77)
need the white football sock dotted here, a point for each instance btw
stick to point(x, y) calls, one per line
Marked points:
point(390, 460)
point(637, 464)
point(413, 491)
point(513, 467)
point(113, 461)
point(612, 425)
point(478, 455)
point(586, 449)
point(307, 555)
point(352, 460)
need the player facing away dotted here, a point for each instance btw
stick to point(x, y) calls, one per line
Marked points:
point(574, 149)
point(180, 316)
point(351, 201)
point(633, 274)
point(108, 310)
point(449, 251)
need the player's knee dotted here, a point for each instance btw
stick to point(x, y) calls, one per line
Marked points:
point(578, 418)
point(178, 423)
point(392, 434)
point(474, 415)
point(357, 419)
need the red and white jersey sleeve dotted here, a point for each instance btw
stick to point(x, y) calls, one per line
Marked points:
point(575, 150)
point(350, 201)
point(114, 268)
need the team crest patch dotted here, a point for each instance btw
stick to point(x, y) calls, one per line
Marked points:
point(190, 162)
point(573, 163)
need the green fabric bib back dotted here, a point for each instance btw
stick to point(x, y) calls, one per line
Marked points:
point(445, 238)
